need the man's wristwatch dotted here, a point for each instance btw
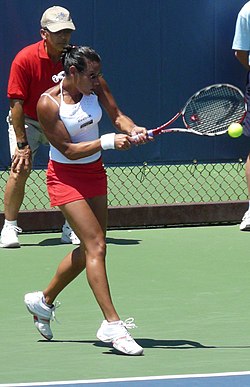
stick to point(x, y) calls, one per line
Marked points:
point(22, 145)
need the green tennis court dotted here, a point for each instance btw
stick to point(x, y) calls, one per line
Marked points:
point(187, 288)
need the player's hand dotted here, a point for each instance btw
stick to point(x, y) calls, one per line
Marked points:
point(139, 136)
point(21, 160)
point(122, 142)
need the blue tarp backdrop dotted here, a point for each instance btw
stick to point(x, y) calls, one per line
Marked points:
point(155, 54)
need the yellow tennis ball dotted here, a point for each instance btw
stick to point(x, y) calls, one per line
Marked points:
point(235, 130)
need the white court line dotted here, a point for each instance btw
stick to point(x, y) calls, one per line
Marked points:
point(113, 380)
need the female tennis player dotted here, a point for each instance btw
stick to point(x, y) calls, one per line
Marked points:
point(69, 114)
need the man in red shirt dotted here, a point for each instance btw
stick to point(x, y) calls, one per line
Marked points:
point(35, 69)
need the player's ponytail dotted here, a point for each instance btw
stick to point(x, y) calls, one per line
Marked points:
point(78, 56)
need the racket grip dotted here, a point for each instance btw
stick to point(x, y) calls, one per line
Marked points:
point(150, 133)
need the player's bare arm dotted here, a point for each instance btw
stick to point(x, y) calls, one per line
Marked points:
point(243, 58)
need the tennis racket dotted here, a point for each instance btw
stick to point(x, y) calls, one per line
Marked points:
point(208, 112)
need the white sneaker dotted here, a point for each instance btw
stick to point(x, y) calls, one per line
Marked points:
point(9, 236)
point(117, 334)
point(245, 223)
point(42, 314)
point(68, 236)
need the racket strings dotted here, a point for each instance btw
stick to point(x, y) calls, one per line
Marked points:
point(213, 109)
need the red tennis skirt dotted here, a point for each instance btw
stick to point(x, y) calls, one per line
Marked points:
point(67, 183)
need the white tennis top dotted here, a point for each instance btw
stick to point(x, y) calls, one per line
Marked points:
point(81, 121)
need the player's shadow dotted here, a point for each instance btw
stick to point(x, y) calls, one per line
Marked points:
point(122, 241)
point(170, 344)
point(144, 342)
point(149, 343)
point(112, 241)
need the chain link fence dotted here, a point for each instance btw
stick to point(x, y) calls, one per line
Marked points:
point(152, 184)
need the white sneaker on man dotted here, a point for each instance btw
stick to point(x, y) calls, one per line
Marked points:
point(117, 334)
point(42, 314)
point(68, 235)
point(9, 236)
point(245, 223)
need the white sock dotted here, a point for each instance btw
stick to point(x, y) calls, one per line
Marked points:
point(249, 205)
point(10, 222)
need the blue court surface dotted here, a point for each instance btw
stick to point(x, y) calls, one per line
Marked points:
point(227, 379)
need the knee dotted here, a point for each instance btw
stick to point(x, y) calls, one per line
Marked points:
point(101, 248)
point(97, 250)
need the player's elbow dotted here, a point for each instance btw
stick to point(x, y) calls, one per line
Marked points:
point(70, 155)
point(242, 57)
point(68, 151)
point(238, 55)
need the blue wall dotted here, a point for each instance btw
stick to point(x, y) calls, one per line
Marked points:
point(156, 54)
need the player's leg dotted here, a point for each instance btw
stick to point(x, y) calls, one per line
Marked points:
point(94, 239)
point(90, 254)
point(40, 304)
point(112, 328)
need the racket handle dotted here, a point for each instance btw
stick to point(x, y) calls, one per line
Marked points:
point(150, 133)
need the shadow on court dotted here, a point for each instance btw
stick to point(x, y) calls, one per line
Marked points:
point(151, 343)
point(57, 241)
point(145, 343)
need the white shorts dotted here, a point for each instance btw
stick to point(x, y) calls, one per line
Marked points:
point(34, 133)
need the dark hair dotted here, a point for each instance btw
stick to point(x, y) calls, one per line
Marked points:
point(78, 56)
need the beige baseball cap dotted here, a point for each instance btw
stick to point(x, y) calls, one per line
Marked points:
point(56, 19)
